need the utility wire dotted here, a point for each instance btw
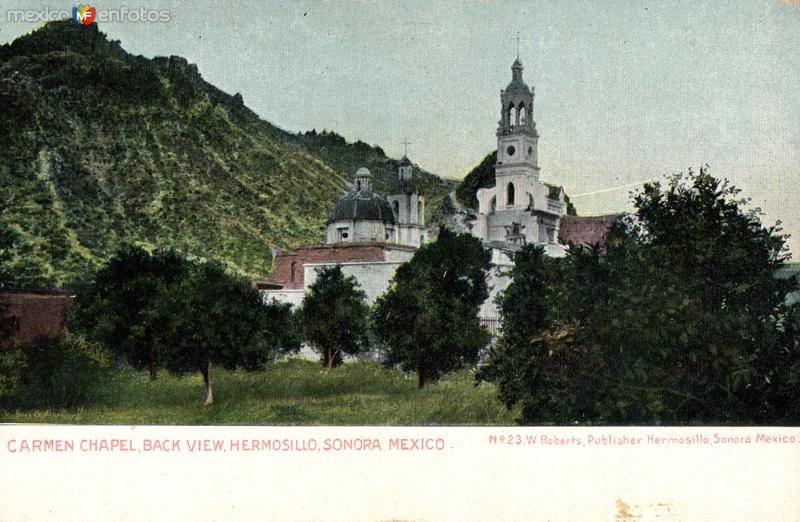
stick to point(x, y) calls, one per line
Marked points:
point(610, 189)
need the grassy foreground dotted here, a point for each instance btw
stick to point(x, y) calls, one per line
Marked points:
point(288, 392)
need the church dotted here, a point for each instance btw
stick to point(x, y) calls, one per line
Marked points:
point(370, 234)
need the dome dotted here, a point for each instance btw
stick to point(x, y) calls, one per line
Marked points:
point(405, 162)
point(363, 172)
point(516, 86)
point(362, 205)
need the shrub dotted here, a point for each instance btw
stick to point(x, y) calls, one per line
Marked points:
point(59, 372)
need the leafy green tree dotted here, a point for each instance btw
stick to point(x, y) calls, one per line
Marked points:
point(681, 321)
point(117, 307)
point(213, 318)
point(335, 316)
point(428, 317)
point(284, 333)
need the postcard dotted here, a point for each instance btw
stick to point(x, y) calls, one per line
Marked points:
point(399, 261)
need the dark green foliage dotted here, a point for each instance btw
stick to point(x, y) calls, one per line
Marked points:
point(335, 316)
point(213, 317)
point(480, 177)
point(58, 373)
point(682, 321)
point(118, 307)
point(428, 317)
point(283, 329)
point(12, 362)
point(7, 237)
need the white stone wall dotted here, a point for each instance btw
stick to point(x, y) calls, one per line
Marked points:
point(292, 297)
point(397, 254)
point(372, 277)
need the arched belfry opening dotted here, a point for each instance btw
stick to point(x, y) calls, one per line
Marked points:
point(523, 114)
point(510, 195)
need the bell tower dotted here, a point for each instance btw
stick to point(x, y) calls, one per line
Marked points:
point(517, 139)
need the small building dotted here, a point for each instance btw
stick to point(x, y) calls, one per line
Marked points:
point(27, 314)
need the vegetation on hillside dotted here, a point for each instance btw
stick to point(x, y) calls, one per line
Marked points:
point(346, 157)
point(100, 148)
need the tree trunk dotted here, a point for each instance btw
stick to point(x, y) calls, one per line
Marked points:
point(422, 377)
point(207, 380)
point(330, 356)
point(152, 366)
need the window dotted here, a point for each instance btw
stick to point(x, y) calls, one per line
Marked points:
point(294, 271)
point(396, 208)
point(510, 193)
point(511, 150)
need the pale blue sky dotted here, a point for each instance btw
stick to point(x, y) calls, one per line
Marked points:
point(625, 91)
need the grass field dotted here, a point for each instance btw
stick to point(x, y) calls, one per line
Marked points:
point(288, 392)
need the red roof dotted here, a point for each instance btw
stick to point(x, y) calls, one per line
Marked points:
point(585, 230)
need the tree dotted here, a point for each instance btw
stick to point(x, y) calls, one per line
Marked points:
point(335, 316)
point(117, 307)
point(681, 321)
point(283, 331)
point(214, 318)
point(428, 317)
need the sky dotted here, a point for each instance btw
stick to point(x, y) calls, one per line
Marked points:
point(626, 91)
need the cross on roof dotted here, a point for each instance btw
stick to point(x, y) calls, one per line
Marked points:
point(405, 143)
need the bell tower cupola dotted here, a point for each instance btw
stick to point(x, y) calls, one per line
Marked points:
point(517, 139)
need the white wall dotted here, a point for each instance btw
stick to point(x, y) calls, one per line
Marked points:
point(373, 276)
point(293, 297)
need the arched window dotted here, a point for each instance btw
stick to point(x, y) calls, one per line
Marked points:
point(523, 114)
point(511, 116)
point(358, 185)
point(492, 205)
point(396, 208)
point(510, 193)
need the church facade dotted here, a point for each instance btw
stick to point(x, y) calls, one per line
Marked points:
point(520, 208)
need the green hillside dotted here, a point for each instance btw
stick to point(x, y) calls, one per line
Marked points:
point(99, 147)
